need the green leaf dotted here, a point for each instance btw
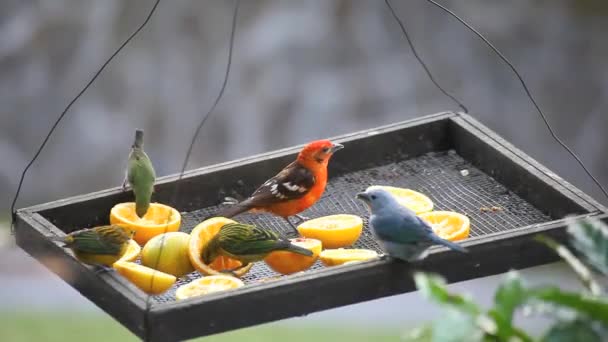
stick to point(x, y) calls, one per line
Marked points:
point(578, 267)
point(420, 334)
point(593, 307)
point(510, 295)
point(456, 326)
point(590, 238)
point(434, 287)
point(577, 330)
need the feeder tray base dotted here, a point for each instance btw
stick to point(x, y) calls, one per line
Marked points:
point(450, 157)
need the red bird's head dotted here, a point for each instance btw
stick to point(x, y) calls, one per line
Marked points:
point(317, 153)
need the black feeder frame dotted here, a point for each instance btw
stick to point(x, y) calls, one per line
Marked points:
point(452, 158)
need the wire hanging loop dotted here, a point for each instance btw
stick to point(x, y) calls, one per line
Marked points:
point(424, 66)
point(67, 108)
point(146, 318)
point(528, 93)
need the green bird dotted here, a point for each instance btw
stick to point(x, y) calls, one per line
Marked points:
point(140, 175)
point(99, 246)
point(247, 243)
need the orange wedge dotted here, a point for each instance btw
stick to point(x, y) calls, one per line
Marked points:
point(207, 285)
point(448, 225)
point(159, 219)
point(411, 199)
point(142, 277)
point(288, 262)
point(200, 236)
point(334, 231)
point(132, 252)
point(333, 257)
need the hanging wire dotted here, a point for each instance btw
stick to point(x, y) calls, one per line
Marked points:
point(426, 69)
point(187, 158)
point(528, 93)
point(67, 108)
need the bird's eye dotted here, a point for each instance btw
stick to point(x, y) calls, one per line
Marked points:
point(373, 197)
point(325, 149)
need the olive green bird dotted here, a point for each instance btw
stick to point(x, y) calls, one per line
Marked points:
point(247, 243)
point(140, 175)
point(98, 246)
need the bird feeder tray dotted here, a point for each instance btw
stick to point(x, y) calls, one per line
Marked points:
point(456, 161)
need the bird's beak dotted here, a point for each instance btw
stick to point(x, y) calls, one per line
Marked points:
point(362, 196)
point(336, 147)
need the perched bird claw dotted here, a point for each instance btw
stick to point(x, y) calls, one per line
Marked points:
point(301, 218)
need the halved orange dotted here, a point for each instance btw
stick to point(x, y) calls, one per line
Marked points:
point(334, 231)
point(285, 262)
point(159, 219)
point(199, 237)
point(333, 257)
point(409, 198)
point(448, 225)
point(147, 279)
point(132, 252)
point(207, 285)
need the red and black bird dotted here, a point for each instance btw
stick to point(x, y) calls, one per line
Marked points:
point(297, 187)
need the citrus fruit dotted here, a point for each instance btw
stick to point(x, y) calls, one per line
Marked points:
point(333, 257)
point(334, 231)
point(159, 219)
point(207, 285)
point(411, 199)
point(168, 253)
point(199, 237)
point(448, 225)
point(142, 277)
point(285, 262)
point(132, 252)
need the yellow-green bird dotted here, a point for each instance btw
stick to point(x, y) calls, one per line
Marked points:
point(140, 175)
point(247, 243)
point(98, 246)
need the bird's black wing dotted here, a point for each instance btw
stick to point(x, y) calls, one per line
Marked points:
point(293, 182)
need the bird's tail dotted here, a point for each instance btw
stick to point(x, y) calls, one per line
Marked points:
point(449, 244)
point(234, 210)
point(298, 250)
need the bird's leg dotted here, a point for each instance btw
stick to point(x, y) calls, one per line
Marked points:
point(302, 218)
point(292, 226)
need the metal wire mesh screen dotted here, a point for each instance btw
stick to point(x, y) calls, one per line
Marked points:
point(449, 180)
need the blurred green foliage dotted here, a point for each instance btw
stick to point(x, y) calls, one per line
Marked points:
point(575, 316)
point(48, 327)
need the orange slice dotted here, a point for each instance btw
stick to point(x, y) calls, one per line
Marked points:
point(132, 252)
point(207, 285)
point(288, 262)
point(141, 276)
point(200, 236)
point(333, 257)
point(448, 225)
point(159, 219)
point(411, 199)
point(334, 231)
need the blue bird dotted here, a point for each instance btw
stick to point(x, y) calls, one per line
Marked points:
point(401, 233)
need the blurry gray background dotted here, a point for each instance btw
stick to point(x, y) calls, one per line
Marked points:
point(302, 70)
